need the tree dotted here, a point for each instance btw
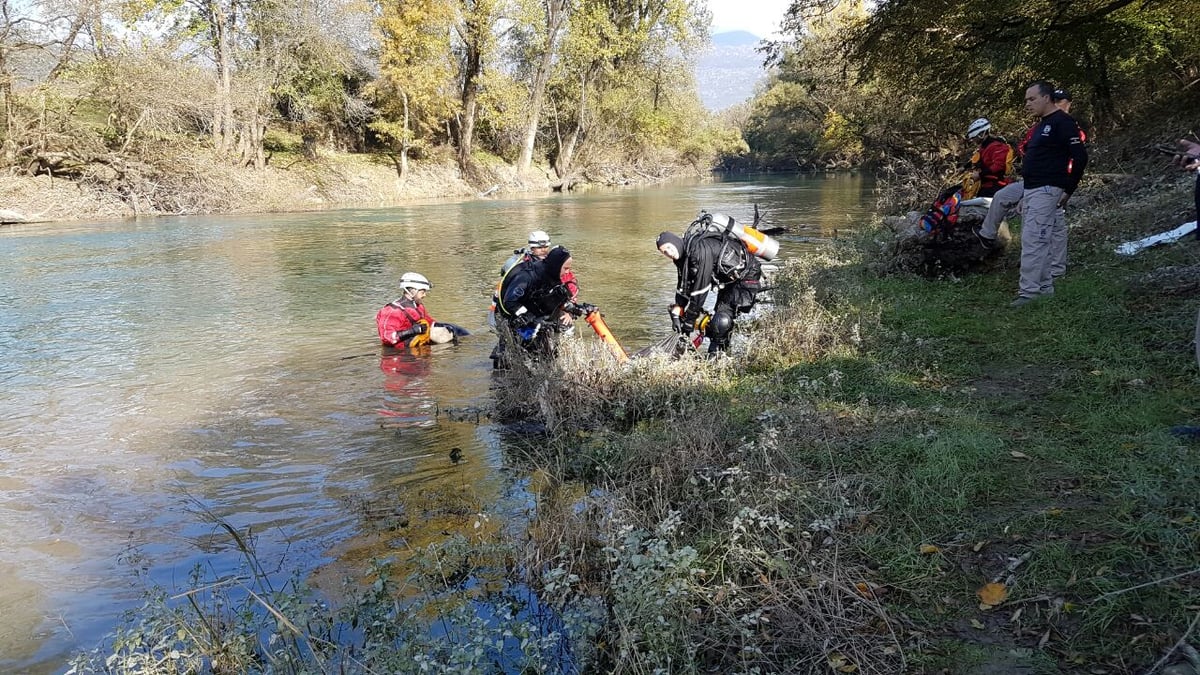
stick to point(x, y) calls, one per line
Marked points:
point(956, 60)
point(544, 45)
point(39, 39)
point(476, 31)
point(609, 45)
point(416, 72)
point(258, 50)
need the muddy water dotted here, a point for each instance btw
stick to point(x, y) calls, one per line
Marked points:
point(153, 371)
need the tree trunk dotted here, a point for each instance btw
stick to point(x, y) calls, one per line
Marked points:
point(555, 15)
point(470, 100)
point(68, 43)
point(250, 142)
point(568, 147)
point(224, 128)
point(406, 141)
point(8, 145)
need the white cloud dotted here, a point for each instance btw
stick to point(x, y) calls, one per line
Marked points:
point(761, 17)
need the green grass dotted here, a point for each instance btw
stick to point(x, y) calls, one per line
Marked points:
point(1085, 386)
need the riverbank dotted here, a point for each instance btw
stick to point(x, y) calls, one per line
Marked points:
point(905, 474)
point(899, 475)
point(198, 183)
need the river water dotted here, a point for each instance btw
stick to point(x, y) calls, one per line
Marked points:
point(155, 370)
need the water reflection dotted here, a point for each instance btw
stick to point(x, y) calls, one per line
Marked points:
point(409, 403)
point(152, 370)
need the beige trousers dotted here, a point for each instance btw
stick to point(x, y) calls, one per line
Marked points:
point(1042, 230)
point(1003, 202)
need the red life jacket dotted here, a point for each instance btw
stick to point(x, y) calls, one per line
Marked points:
point(995, 165)
point(397, 317)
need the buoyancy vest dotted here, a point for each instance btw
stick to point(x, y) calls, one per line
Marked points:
point(994, 160)
point(711, 260)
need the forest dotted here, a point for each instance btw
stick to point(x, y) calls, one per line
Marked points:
point(144, 96)
point(903, 79)
point(132, 92)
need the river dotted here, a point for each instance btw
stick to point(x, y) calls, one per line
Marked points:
point(152, 370)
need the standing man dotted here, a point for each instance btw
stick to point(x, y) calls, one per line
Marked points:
point(1058, 263)
point(1054, 162)
point(1189, 160)
point(1009, 196)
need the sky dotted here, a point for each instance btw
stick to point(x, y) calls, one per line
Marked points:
point(760, 17)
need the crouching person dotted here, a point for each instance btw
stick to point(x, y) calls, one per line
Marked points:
point(704, 262)
point(531, 300)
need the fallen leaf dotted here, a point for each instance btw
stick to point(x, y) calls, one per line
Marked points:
point(991, 595)
point(1018, 454)
point(929, 549)
point(978, 546)
point(867, 589)
point(977, 624)
point(841, 664)
point(1054, 512)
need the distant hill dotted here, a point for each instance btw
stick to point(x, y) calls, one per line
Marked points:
point(727, 72)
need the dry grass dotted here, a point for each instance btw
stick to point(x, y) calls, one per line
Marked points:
point(690, 510)
point(43, 198)
point(803, 327)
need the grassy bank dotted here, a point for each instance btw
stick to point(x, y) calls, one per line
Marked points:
point(897, 474)
point(919, 475)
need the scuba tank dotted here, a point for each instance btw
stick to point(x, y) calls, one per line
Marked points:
point(759, 244)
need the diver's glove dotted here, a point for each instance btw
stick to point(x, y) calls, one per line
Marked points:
point(579, 308)
point(421, 327)
point(677, 324)
point(522, 319)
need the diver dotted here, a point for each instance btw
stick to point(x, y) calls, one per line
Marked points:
point(405, 321)
point(534, 302)
point(709, 259)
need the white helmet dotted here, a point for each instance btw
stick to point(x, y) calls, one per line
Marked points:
point(978, 127)
point(415, 282)
point(539, 238)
